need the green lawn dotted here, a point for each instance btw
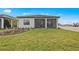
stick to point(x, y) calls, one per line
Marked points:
point(41, 39)
point(2, 30)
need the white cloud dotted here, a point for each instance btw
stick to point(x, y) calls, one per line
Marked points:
point(44, 13)
point(7, 10)
point(26, 13)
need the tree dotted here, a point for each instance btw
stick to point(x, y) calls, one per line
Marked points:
point(76, 24)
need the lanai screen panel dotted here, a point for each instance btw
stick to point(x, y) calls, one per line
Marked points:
point(39, 23)
point(51, 23)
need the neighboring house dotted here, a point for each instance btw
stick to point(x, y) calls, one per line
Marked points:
point(6, 21)
point(37, 21)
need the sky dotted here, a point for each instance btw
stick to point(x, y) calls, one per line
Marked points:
point(67, 15)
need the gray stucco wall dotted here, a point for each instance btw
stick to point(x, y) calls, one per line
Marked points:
point(20, 23)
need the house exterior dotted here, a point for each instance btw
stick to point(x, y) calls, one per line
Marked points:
point(37, 21)
point(6, 21)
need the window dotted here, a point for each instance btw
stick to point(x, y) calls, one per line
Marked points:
point(26, 22)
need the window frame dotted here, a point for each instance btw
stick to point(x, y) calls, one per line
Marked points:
point(26, 22)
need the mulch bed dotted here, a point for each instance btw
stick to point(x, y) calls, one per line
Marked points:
point(14, 31)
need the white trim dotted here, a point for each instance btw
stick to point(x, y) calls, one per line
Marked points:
point(56, 23)
point(45, 22)
point(2, 23)
point(34, 22)
point(11, 24)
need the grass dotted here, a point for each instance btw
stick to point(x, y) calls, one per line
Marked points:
point(41, 40)
point(2, 30)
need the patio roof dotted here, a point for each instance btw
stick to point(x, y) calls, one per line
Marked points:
point(6, 16)
point(38, 16)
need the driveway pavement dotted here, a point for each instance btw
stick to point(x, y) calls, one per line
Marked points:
point(76, 29)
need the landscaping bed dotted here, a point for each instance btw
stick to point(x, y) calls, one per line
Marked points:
point(13, 31)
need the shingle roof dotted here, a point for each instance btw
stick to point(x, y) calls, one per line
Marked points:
point(38, 16)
